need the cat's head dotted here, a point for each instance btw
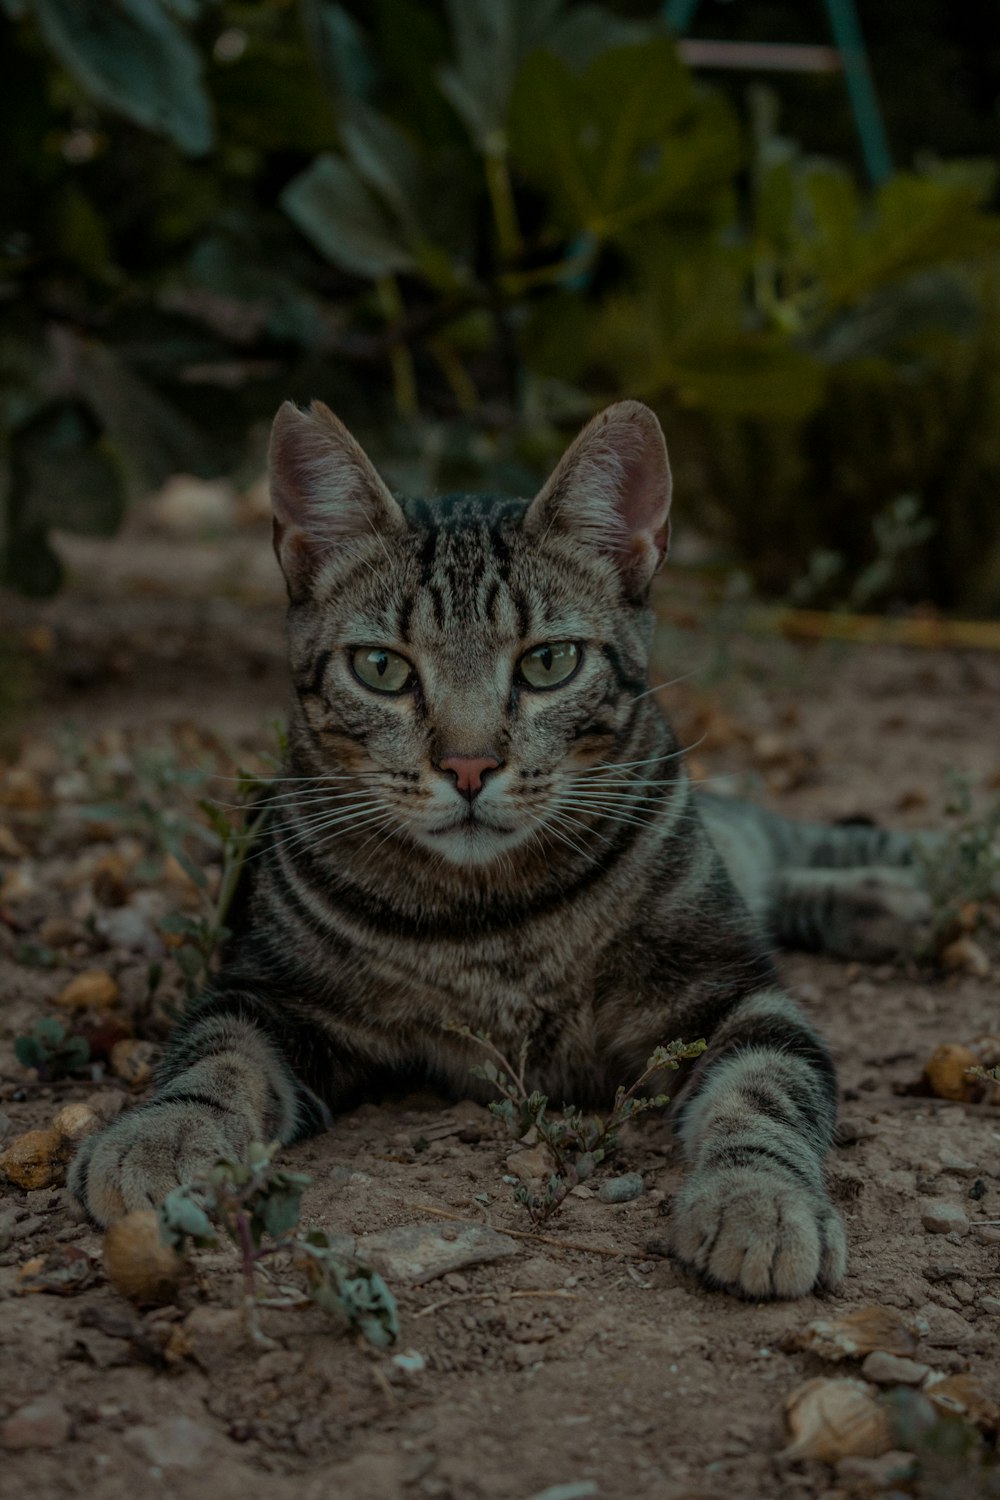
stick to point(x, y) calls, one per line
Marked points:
point(471, 664)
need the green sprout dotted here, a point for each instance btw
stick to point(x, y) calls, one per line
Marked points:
point(256, 1205)
point(578, 1142)
point(52, 1051)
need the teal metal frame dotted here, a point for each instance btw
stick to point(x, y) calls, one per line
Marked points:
point(850, 44)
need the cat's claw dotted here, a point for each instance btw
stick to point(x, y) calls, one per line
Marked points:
point(139, 1159)
point(758, 1233)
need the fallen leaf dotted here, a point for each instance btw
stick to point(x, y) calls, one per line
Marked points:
point(133, 1061)
point(832, 1419)
point(65, 1270)
point(93, 989)
point(36, 1159)
point(855, 1334)
point(964, 1396)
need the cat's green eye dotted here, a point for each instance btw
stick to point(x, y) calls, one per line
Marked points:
point(550, 665)
point(385, 671)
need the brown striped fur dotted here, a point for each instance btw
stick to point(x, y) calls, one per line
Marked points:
point(579, 901)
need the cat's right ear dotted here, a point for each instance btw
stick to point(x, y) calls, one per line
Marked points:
point(324, 492)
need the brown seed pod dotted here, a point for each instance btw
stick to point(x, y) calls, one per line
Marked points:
point(138, 1263)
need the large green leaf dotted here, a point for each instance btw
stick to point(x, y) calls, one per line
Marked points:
point(682, 329)
point(343, 219)
point(338, 47)
point(65, 475)
point(626, 141)
point(133, 57)
point(492, 39)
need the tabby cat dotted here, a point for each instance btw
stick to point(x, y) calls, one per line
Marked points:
point(486, 821)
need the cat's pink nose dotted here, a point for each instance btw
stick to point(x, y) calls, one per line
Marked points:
point(468, 771)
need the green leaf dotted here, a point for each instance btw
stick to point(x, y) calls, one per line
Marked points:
point(181, 1216)
point(338, 47)
point(279, 1211)
point(491, 40)
point(628, 140)
point(191, 961)
point(338, 213)
point(130, 56)
point(28, 1052)
point(50, 1031)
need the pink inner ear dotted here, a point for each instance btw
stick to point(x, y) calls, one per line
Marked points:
point(644, 504)
point(324, 489)
point(611, 491)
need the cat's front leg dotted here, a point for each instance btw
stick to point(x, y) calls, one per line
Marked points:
point(223, 1085)
point(753, 1215)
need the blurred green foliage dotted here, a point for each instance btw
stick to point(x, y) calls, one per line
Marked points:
point(466, 224)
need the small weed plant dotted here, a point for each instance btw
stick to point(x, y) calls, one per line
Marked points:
point(578, 1142)
point(52, 1051)
point(961, 868)
point(256, 1205)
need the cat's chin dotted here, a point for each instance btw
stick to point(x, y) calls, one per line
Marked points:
point(469, 841)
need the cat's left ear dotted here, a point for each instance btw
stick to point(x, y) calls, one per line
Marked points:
point(324, 490)
point(611, 491)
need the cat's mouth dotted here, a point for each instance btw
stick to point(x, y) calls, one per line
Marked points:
point(470, 824)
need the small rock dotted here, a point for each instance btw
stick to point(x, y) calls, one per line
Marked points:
point(75, 1122)
point(986, 1234)
point(529, 1165)
point(125, 927)
point(890, 1369)
point(954, 1163)
point(621, 1189)
point(415, 1253)
point(989, 1305)
point(177, 1443)
point(93, 989)
point(947, 1072)
point(965, 955)
point(61, 932)
point(188, 506)
point(36, 1159)
point(43, 1423)
point(942, 1271)
point(938, 1216)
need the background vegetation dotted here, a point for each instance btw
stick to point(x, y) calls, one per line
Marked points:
point(467, 224)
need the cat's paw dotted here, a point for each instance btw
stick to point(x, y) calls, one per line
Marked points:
point(758, 1233)
point(139, 1159)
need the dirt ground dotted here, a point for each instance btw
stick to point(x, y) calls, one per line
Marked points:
point(583, 1362)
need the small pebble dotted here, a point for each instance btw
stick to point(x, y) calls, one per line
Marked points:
point(41, 1424)
point(951, 1162)
point(621, 1189)
point(177, 1443)
point(986, 1234)
point(989, 1305)
point(892, 1369)
point(938, 1216)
